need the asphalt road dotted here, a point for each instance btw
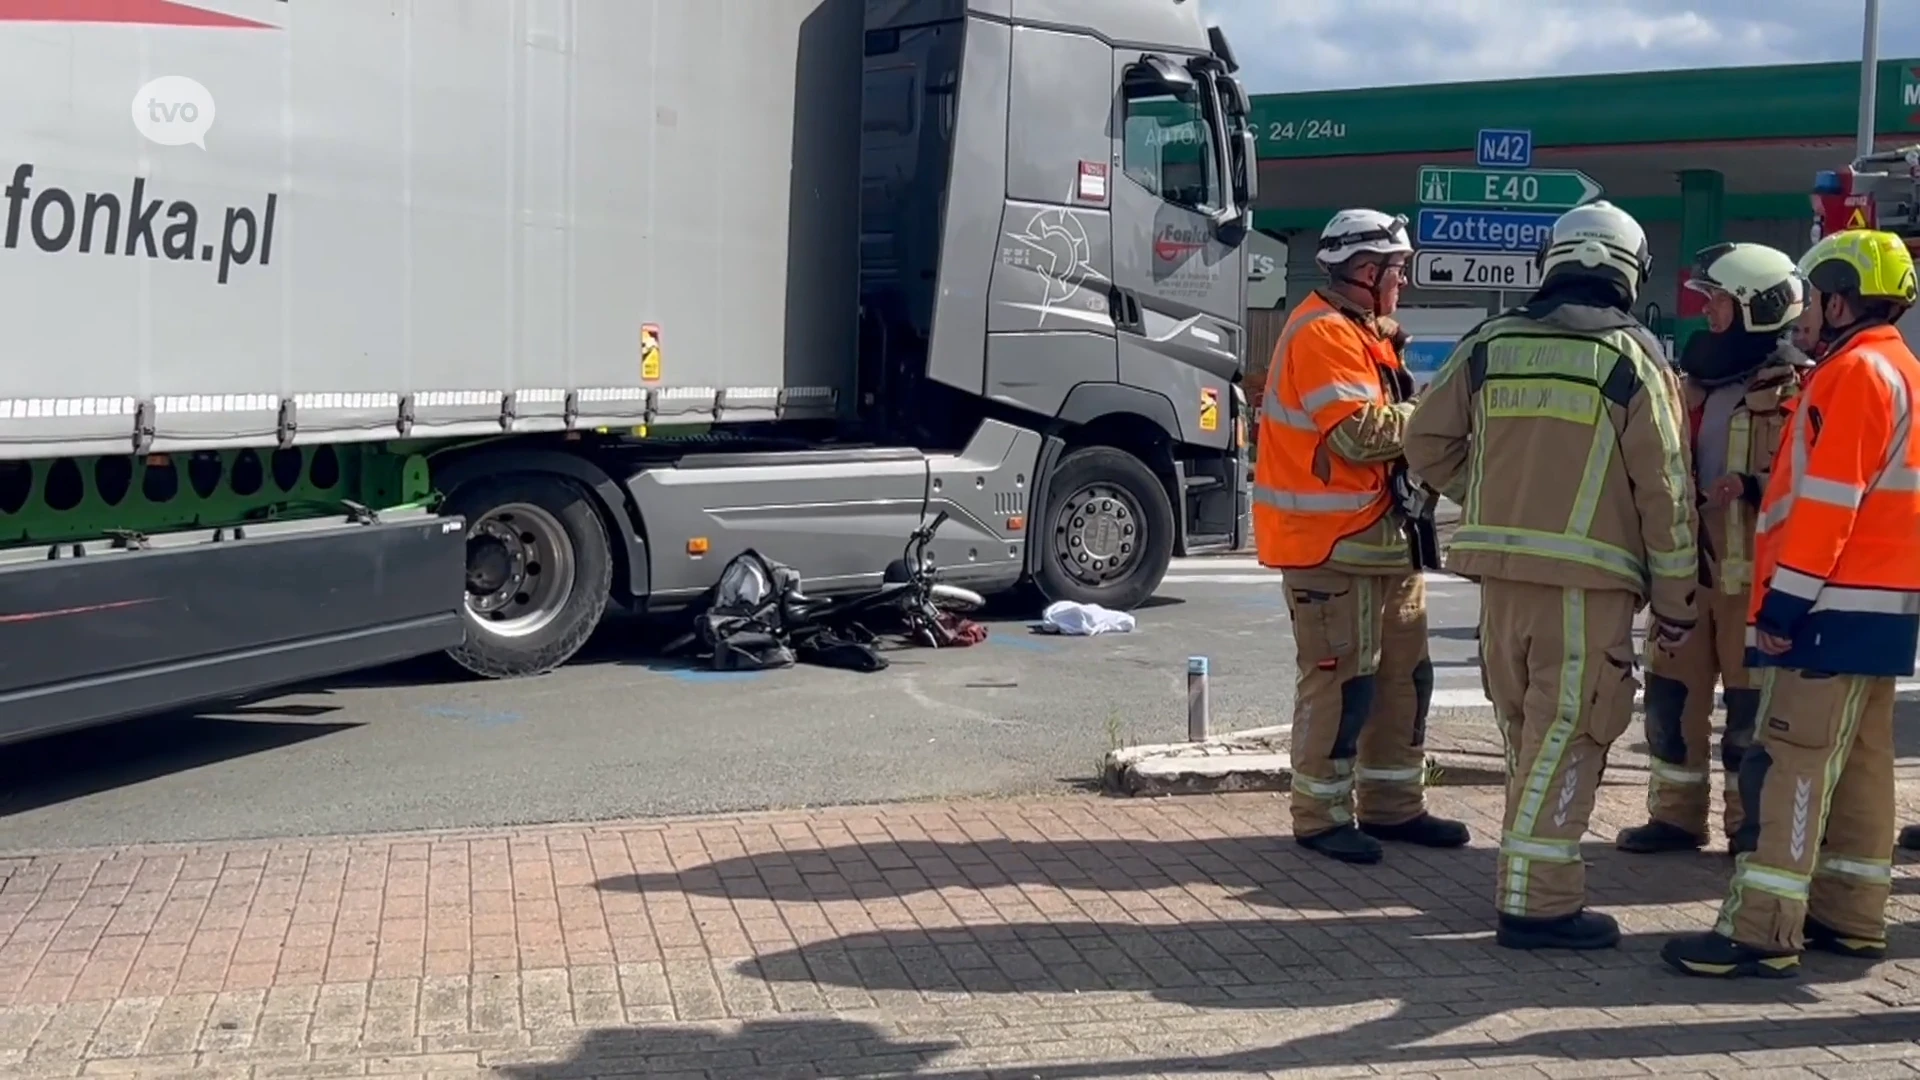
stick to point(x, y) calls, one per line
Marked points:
point(620, 733)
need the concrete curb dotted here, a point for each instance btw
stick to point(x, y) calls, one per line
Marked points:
point(1254, 760)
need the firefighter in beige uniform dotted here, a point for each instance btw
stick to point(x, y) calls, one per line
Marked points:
point(1736, 381)
point(1557, 426)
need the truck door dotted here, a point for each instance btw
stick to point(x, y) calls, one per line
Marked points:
point(1178, 293)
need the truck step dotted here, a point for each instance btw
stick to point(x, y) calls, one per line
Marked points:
point(1199, 483)
point(1209, 543)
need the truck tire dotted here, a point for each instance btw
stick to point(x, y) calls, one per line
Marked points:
point(1108, 530)
point(539, 572)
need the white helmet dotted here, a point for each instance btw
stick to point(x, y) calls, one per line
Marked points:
point(1362, 232)
point(1598, 239)
point(1764, 282)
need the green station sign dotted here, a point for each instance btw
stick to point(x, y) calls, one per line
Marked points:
point(1529, 189)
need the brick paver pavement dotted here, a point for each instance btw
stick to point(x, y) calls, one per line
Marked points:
point(1057, 939)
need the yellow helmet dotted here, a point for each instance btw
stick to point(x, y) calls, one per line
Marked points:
point(1868, 263)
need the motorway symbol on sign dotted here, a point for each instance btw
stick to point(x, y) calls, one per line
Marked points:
point(1491, 271)
point(1503, 148)
point(1485, 230)
point(1555, 189)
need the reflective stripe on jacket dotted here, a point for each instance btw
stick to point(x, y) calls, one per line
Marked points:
point(1560, 431)
point(1837, 549)
point(1312, 504)
point(1752, 437)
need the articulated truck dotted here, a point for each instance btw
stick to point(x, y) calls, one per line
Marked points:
point(338, 332)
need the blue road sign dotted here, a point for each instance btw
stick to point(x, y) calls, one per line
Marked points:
point(1484, 230)
point(1503, 148)
point(1425, 355)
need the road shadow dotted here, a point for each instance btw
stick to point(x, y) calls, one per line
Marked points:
point(827, 1049)
point(835, 1049)
point(1263, 871)
point(72, 765)
point(1433, 977)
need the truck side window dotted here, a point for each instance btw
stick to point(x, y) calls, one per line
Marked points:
point(1168, 148)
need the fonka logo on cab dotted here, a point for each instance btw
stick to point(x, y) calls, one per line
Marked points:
point(1175, 243)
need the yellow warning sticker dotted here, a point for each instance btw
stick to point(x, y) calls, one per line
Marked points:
point(1858, 220)
point(1209, 410)
point(649, 353)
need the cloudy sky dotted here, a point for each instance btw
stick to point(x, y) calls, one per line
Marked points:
point(1340, 44)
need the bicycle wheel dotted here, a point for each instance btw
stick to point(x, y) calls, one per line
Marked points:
point(955, 598)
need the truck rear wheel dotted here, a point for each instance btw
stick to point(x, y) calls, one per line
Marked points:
point(1108, 530)
point(539, 570)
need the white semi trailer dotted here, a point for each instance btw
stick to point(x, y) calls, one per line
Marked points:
point(340, 331)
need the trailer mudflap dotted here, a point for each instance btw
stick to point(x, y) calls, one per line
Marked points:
point(117, 634)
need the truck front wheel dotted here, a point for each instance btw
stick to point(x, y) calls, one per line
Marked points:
point(538, 573)
point(1108, 530)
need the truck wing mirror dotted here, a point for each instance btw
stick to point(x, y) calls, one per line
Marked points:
point(1233, 97)
point(1243, 166)
point(1246, 167)
point(1155, 75)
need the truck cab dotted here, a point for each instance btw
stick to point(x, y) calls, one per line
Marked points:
point(1052, 231)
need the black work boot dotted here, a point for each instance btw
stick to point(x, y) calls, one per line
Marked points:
point(1910, 838)
point(1580, 930)
point(1425, 830)
point(1657, 838)
point(1828, 940)
point(1345, 843)
point(1744, 841)
point(1716, 956)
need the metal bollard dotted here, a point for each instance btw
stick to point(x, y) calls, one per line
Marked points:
point(1199, 720)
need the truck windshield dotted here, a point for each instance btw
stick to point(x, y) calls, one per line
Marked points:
point(1170, 148)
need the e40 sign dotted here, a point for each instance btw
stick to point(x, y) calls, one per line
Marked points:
point(1533, 189)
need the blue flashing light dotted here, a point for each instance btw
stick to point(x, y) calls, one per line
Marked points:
point(1827, 182)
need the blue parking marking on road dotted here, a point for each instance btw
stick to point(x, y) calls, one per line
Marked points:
point(688, 673)
point(485, 718)
point(1022, 638)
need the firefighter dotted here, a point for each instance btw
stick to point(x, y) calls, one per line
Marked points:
point(1558, 427)
point(1736, 381)
point(1834, 620)
point(1328, 511)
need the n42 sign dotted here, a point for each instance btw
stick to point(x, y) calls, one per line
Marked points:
point(1503, 148)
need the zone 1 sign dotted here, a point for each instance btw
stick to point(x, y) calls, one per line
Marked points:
point(1491, 271)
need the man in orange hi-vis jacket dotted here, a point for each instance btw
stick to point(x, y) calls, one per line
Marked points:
point(1332, 508)
point(1834, 620)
